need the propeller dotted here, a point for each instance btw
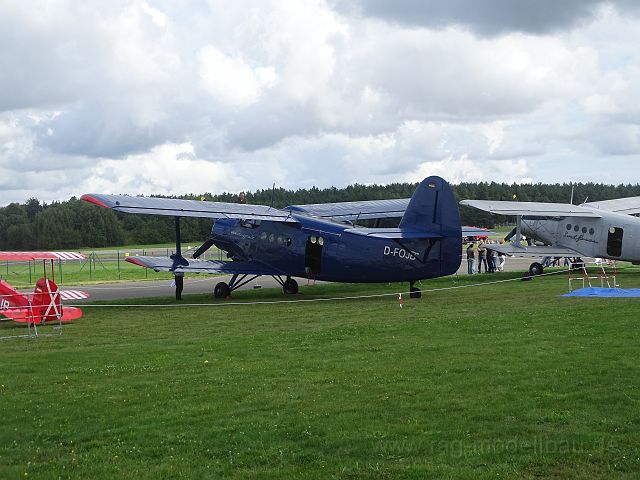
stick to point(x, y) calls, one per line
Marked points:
point(203, 248)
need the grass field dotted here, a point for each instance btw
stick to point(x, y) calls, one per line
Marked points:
point(509, 380)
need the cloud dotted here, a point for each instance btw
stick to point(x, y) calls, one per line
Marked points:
point(147, 94)
point(485, 17)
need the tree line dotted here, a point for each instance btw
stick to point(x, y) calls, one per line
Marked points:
point(74, 224)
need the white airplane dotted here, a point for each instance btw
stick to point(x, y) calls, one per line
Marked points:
point(604, 229)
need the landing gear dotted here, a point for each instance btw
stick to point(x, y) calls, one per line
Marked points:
point(414, 292)
point(221, 290)
point(290, 286)
point(536, 268)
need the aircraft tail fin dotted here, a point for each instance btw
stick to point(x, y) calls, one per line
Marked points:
point(433, 208)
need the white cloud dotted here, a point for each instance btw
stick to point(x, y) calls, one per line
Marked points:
point(231, 81)
point(225, 96)
point(463, 169)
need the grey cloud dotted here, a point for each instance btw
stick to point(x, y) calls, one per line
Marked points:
point(99, 130)
point(485, 17)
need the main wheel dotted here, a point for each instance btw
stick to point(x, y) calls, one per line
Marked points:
point(290, 286)
point(536, 268)
point(414, 292)
point(222, 290)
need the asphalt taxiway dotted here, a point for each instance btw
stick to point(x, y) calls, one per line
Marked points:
point(205, 284)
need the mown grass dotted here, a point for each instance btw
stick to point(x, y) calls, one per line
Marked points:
point(507, 380)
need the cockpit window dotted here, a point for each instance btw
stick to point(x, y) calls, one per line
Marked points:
point(250, 223)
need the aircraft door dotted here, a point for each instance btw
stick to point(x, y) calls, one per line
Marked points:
point(614, 241)
point(313, 254)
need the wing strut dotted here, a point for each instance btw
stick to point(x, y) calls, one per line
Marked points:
point(178, 261)
point(518, 230)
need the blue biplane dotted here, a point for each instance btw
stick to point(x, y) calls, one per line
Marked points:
point(319, 241)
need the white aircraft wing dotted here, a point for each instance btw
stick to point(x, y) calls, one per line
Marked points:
point(533, 250)
point(629, 205)
point(366, 209)
point(187, 208)
point(165, 264)
point(534, 209)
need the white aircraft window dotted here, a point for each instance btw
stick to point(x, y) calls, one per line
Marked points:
point(320, 241)
point(272, 237)
point(313, 239)
point(612, 230)
point(288, 241)
point(263, 236)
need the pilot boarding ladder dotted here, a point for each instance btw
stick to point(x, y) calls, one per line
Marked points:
point(31, 323)
point(578, 273)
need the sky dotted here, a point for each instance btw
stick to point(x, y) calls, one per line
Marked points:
point(173, 97)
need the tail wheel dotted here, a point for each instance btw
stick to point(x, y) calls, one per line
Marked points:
point(290, 286)
point(536, 268)
point(221, 290)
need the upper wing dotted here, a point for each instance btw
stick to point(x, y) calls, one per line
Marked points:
point(187, 208)
point(629, 205)
point(537, 209)
point(165, 264)
point(22, 256)
point(533, 250)
point(355, 210)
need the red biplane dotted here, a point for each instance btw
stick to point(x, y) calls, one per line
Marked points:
point(45, 303)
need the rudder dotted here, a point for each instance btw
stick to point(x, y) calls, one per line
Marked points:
point(433, 207)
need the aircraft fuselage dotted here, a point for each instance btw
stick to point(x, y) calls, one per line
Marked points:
point(335, 251)
point(614, 236)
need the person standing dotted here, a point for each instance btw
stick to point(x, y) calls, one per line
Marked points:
point(178, 280)
point(482, 257)
point(470, 259)
point(501, 260)
point(489, 255)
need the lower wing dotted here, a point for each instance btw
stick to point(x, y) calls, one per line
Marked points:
point(533, 250)
point(166, 264)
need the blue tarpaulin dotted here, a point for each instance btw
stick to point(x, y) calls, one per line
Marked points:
point(605, 292)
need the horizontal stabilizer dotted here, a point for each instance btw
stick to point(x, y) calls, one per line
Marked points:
point(394, 233)
point(476, 232)
point(165, 264)
point(534, 209)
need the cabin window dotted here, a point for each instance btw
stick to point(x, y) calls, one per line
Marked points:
point(576, 228)
point(584, 229)
point(591, 231)
point(569, 226)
